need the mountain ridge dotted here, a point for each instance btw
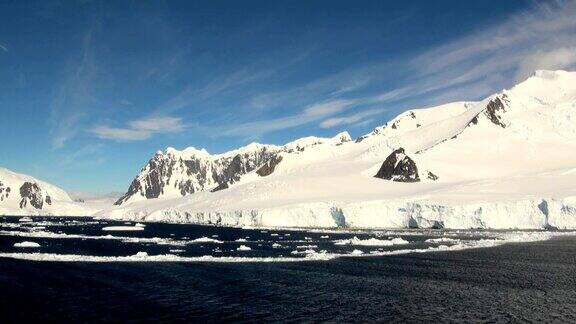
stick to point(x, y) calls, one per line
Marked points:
point(490, 164)
point(475, 151)
point(22, 194)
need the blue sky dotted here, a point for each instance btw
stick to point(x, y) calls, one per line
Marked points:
point(89, 90)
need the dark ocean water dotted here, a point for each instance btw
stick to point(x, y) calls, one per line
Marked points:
point(517, 282)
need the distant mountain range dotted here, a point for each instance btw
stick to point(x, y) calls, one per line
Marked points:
point(24, 195)
point(508, 161)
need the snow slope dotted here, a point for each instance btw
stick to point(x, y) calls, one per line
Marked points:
point(24, 195)
point(508, 161)
point(176, 173)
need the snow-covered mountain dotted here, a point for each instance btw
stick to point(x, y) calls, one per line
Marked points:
point(508, 161)
point(24, 195)
point(176, 173)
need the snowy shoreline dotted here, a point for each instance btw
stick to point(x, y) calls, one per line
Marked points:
point(383, 214)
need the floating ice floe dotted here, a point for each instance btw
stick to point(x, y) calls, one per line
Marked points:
point(243, 248)
point(441, 240)
point(47, 234)
point(307, 247)
point(206, 240)
point(241, 240)
point(356, 252)
point(488, 239)
point(25, 219)
point(372, 242)
point(122, 228)
point(27, 244)
point(144, 257)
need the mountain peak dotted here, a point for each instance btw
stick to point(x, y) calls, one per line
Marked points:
point(189, 151)
point(550, 74)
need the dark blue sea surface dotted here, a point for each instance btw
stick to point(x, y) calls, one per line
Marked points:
point(515, 282)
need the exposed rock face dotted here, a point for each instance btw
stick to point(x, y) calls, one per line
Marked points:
point(269, 167)
point(4, 191)
point(179, 173)
point(431, 176)
point(188, 174)
point(493, 112)
point(398, 167)
point(221, 186)
point(244, 163)
point(31, 193)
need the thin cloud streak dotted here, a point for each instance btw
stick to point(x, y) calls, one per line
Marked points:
point(310, 114)
point(73, 96)
point(140, 129)
point(88, 155)
point(350, 119)
point(490, 59)
point(469, 68)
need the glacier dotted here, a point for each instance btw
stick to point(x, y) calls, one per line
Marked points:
point(505, 162)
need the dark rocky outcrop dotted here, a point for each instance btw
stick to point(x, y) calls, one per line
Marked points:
point(4, 191)
point(398, 167)
point(431, 176)
point(186, 187)
point(221, 186)
point(237, 169)
point(268, 167)
point(194, 174)
point(32, 193)
point(242, 164)
point(493, 112)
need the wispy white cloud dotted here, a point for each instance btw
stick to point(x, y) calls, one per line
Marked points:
point(543, 37)
point(126, 102)
point(483, 62)
point(87, 155)
point(234, 84)
point(193, 94)
point(3, 48)
point(467, 68)
point(73, 96)
point(120, 134)
point(158, 124)
point(548, 60)
point(310, 114)
point(544, 26)
point(140, 129)
point(351, 119)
